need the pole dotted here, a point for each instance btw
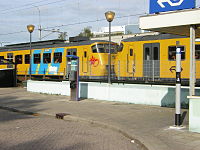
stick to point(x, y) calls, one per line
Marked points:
point(40, 28)
point(178, 87)
point(30, 70)
point(109, 58)
point(192, 60)
point(40, 34)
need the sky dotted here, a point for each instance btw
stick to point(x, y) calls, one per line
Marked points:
point(70, 16)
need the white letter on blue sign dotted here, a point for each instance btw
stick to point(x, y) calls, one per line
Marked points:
point(170, 2)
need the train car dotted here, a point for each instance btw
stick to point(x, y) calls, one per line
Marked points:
point(152, 59)
point(49, 58)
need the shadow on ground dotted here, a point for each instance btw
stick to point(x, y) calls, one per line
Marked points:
point(12, 104)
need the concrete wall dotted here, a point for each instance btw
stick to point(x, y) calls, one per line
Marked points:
point(129, 93)
point(61, 88)
point(194, 114)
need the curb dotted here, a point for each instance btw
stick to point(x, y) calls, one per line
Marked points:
point(140, 145)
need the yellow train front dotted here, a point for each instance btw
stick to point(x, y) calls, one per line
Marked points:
point(151, 59)
point(49, 58)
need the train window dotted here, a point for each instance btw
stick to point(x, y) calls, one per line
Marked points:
point(147, 53)
point(18, 59)
point(10, 56)
point(1, 57)
point(104, 48)
point(58, 57)
point(85, 54)
point(94, 49)
point(46, 58)
point(74, 53)
point(197, 52)
point(172, 52)
point(120, 48)
point(131, 52)
point(27, 59)
point(155, 53)
point(37, 58)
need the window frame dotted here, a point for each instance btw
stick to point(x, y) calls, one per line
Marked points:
point(131, 51)
point(59, 58)
point(120, 47)
point(197, 52)
point(39, 58)
point(103, 48)
point(85, 54)
point(17, 59)
point(46, 58)
point(25, 58)
point(174, 53)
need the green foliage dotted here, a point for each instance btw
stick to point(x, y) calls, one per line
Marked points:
point(86, 33)
point(62, 36)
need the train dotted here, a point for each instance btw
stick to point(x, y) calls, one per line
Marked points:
point(139, 59)
point(152, 59)
point(49, 58)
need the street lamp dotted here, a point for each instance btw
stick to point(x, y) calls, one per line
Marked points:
point(30, 30)
point(109, 17)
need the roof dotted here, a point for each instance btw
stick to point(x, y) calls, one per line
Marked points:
point(46, 44)
point(174, 22)
point(153, 37)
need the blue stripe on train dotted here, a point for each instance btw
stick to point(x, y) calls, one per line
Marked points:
point(56, 66)
point(42, 68)
point(35, 66)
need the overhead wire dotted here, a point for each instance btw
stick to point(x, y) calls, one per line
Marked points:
point(64, 25)
point(33, 5)
point(28, 4)
point(77, 23)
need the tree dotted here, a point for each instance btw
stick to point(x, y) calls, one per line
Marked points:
point(62, 36)
point(86, 32)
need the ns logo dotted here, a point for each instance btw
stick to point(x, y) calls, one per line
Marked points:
point(170, 2)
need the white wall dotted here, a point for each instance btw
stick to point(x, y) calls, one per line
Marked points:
point(129, 93)
point(49, 87)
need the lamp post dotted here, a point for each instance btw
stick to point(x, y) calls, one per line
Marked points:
point(30, 30)
point(109, 17)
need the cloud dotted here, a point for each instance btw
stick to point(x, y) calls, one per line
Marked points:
point(63, 13)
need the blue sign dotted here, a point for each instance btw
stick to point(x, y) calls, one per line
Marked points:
point(157, 6)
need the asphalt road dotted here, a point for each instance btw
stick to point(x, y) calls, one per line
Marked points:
point(25, 132)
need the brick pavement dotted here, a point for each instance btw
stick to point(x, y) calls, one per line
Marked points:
point(25, 132)
point(147, 124)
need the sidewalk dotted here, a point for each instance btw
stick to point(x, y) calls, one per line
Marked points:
point(148, 124)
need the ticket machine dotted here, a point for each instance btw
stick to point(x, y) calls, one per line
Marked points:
point(73, 76)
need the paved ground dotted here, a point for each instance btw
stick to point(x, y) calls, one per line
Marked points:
point(148, 125)
point(25, 132)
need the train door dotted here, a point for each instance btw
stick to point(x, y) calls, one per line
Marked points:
point(130, 60)
point(151, 66)
point(10, 58)
point(85, 61)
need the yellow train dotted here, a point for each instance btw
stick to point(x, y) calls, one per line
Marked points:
point(138, 59)
point(49, 58)
point(152, 59)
